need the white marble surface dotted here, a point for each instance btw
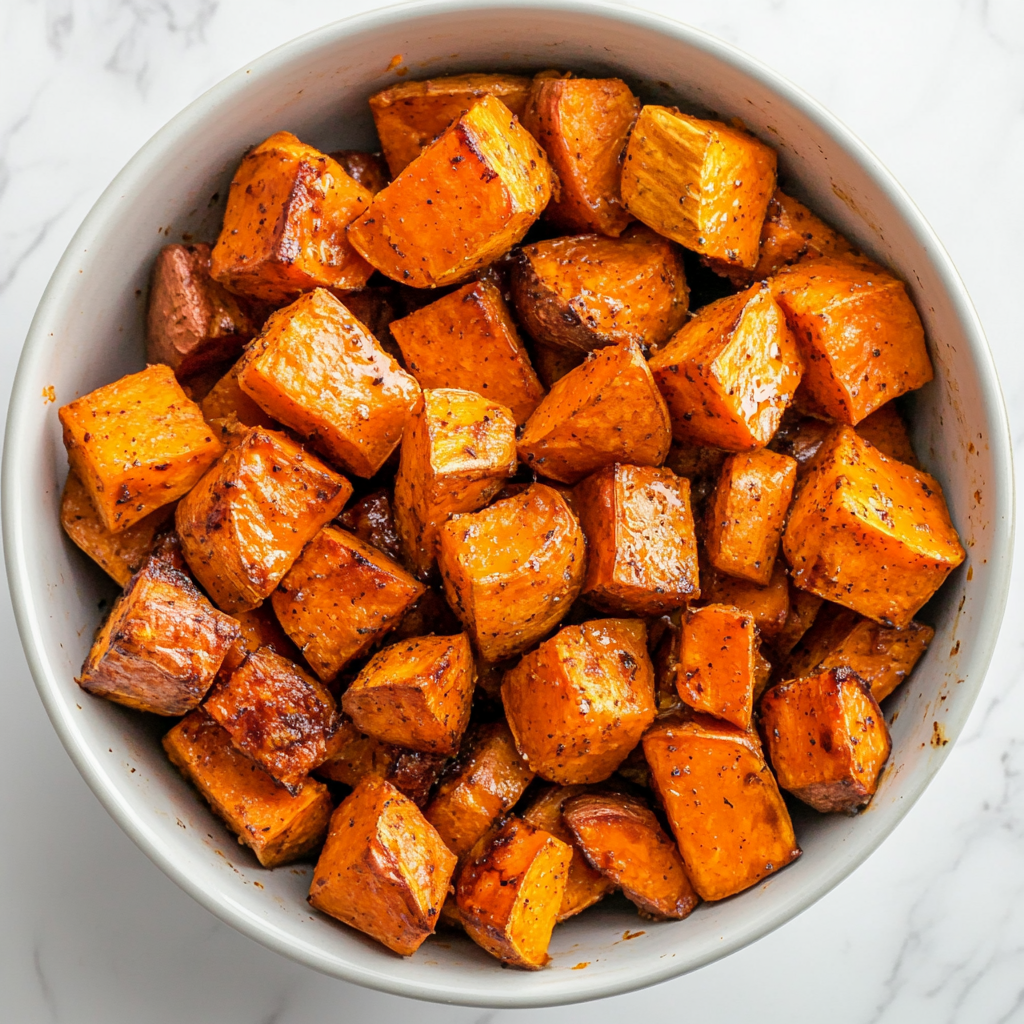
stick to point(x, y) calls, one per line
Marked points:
point(930, 929)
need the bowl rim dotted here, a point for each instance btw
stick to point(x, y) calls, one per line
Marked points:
point(17, 474)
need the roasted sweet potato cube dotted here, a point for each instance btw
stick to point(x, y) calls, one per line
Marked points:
point(799, 436)
point(745, 520)
point(416, 693)
point(511, 571)
point(383, 869)
point(803, 609)
point(700, 183)
point(722, 802)
point(161, 645)
point(244, 524)
point(410, 115)
point(718, 655)
point(553, 362)
point(886, 429)
point(340, 597)
point(583, 125)
point(510, 891)
point(260, 628)
point(284, 226)
point(858, 331)
point(372, 520)
point(767, 605)
point(278, 826)
point(580, 703)
point(870, 533)
point(622, 838)
point(827, 739)
point(607, 410)
point(352, 755)
point(458, 452)
point(137, 444)
point(729, 374)
point(226, 401)
point(641, 546)
point(369, 169)
point(465, 201)
point(467, 339)
point(316, 369)
point(588, 291)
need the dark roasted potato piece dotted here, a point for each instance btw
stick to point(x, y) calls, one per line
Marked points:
point(372, 520)
point(553, 362)
point(803, 609)
point(369, 169)
point(260, 628)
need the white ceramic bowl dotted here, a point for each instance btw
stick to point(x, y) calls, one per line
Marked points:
point(88, 330)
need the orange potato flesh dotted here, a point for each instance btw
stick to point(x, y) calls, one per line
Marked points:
point(383, 869)
point(260, 628)
point(870, 533)
point(887, 431)
point(284, 227)
point(137, 444)
point(768, 605)
point(826, 738)
point(722, 802)
point(244, 524)
point(607, 410)
point(762, 673)
point(277, 826)
point(553, 362)
point(803, 609)
point(226, 400)
point(369, 169)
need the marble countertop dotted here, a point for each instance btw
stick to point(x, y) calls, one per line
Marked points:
point(931, 928)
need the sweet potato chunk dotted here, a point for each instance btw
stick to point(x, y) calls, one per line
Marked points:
point(768, 605)
point(641, 546)
point(260, 628)
point(700, 183)
point(722, 802)
point(553, 362)
point(410, 115)
point(339, 598)
point(512, 570)
point(826, 738)
point(278, 826)
point(510, 890)
point(458, 452)
point(803, 609)
point(729, 374)
point(583, 125)
point(137, 444)
point(745, 521)
point(623, 839)
point(870, 533)
point(859, 334)
point(161, 645)
point(369, 169)
point(799, 436)
point(465, 201)
point(416, 693)
point(284, 227)
point(580, 703)
point(588, 291)
point(372, 520)
point(468, 340)
point(244, 524)
point(886, 430)
point(607, 410)
point(316, 369)
point(276, 714)
point(226, 401)
point(383, 869)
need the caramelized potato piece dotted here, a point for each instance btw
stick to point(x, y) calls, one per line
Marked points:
point(722, 802)
point(700, 183)
point(317, 370)
point(607, 410)
point(512, 570)
point(278, 826)
point(588, 291)
point(768, 605)
point(887, 431)
point(729, 374)
point(858, 331)
point(369, 169)
point(641, 546)
point(623, 839)
point(553, 362)
point(870, 533)
point(372, 520)
point(583, 125)
point(827, 739)
point(467, 339)
point(459, 450)
point(803, 609)
point(580, 703)
point(284, 226)
point(415, 773)
point(260, 628)
point(800, 437)
point(161, 645)
point(465, 201)
point(510, 890)
point(137, 444)
point(226, 401)
point(339, 598)
point(410, 115)
point(383, 869)
point(745, 522)
point(244, 524)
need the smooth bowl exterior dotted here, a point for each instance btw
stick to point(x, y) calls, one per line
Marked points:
point(88, 330)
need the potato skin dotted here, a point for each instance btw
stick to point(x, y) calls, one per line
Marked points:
point(369, 169)
point(372, 520)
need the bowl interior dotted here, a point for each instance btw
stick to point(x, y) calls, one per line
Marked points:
point(89, 330)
